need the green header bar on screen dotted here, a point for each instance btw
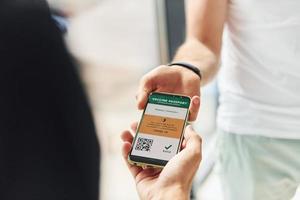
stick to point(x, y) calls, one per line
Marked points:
point(169, 100)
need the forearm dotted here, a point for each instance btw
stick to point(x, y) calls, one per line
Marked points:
point(197, 54)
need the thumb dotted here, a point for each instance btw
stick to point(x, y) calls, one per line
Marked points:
point(193, 143)
point(145, 88)
point(194, 108)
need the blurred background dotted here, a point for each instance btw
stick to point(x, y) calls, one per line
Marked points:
point(115, 42)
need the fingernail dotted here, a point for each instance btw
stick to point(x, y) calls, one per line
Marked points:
point(196, 101)
point(190, 127)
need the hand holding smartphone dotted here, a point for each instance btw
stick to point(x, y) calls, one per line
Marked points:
point(160, 131)
point(174, 181)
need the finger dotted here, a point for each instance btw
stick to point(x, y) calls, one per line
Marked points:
point(183, 144)
point(126, 136)
point(134, 170)
point(193, 140)
point(192, 151)
point(134, 126)
point(190, 133)
point(194, 108)
point(126, 149)
point(189, 158)
point(145, 88)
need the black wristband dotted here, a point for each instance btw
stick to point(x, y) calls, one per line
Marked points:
point(188, 66)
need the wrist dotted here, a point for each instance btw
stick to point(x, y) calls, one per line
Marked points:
point(187, 73)
point(189, 66)
point(175, 192)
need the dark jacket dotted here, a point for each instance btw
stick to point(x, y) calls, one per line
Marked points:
point(48, 145)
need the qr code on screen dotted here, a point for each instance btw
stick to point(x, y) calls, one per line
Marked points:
point(143, 144)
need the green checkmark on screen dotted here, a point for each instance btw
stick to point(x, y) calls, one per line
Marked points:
point(168, 147)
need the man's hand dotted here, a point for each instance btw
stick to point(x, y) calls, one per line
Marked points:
point(175, 79)
point(175, 179)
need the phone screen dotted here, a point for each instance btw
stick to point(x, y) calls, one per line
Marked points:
point(161, 128)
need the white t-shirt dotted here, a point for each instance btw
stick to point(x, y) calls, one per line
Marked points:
point(259, 80)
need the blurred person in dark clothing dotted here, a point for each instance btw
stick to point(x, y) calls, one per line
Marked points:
point(48, 144)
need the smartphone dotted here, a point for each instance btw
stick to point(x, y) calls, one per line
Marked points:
point(160, 131)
